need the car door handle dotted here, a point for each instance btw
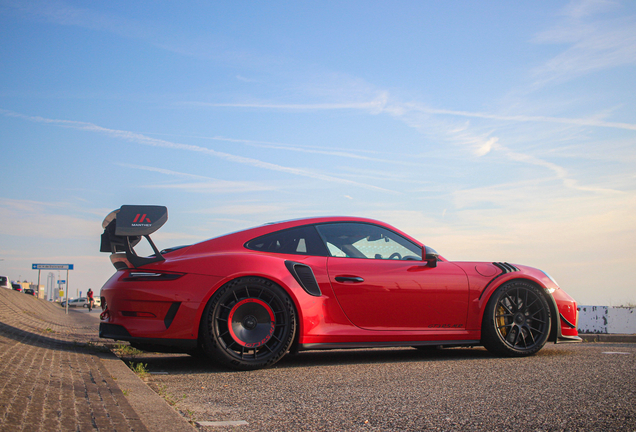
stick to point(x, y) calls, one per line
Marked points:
point(349, 279)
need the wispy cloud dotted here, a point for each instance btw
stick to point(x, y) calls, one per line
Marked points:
point(462, 135)
point(242, 78)
point(339, 153)
point(154, 142)
point(243, 209)
point(374, 106)
point(62, 13)
point(163, 171)
point(182, 43)
point(35, 219)
point(482, 143)
point(595, 42)
point(206, 185)
point(421, 116)
point(524, 118)
point(558, 218)
point(220, 186)
point(398, 109)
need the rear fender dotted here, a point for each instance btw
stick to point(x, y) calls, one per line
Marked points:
point(308, 307)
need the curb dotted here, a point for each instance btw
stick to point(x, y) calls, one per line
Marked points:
point(608, 338)
point(153, 411)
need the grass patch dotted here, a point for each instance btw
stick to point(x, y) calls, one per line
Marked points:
point(189, 414)
point(172, 400)
point(123, 350)
point(141, 369)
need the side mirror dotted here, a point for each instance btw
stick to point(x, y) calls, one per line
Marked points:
point(430, 256)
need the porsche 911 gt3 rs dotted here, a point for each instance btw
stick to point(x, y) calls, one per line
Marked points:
point(246, 299)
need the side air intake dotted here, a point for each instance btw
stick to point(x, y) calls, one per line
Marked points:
point(305, 277)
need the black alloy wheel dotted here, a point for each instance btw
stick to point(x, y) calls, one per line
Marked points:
point(250, 323)
point(517, 320)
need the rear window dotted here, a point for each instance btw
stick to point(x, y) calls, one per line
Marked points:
point(298, 241)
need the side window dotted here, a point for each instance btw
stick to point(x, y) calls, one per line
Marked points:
point(362, 240)
point(299, 241)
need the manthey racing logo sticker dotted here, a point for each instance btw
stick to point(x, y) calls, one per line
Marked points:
point(141, 220)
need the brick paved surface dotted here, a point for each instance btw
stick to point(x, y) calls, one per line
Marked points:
point(53, 373)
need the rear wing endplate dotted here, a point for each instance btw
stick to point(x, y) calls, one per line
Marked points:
point(124, 228)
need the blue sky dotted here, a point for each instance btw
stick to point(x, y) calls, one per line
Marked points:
point(494, 131)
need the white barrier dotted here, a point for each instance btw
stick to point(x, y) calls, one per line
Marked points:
point(607, 319)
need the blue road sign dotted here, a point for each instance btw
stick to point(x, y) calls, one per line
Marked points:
point(52, 266)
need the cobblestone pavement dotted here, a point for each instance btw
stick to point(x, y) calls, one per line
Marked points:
point(53, 373)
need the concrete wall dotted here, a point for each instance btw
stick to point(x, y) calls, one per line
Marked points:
point(607, 319)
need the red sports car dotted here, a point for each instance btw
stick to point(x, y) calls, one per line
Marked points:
point(246, 299)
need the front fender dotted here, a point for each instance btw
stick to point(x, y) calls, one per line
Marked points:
point(563, 308)
point(511, 272)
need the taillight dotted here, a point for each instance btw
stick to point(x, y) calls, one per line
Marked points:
point(142, 276)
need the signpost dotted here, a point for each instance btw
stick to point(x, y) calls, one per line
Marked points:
point(67, 267)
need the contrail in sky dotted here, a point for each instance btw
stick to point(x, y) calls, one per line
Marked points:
point(146, 140)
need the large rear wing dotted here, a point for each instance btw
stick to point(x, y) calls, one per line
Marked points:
point(123, 230)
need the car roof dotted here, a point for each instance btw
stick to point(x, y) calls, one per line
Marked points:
point(239, 238)
point(270, 227)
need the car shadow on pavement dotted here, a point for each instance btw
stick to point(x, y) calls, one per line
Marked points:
point(380, 355)
point(397, 355)
point(180, 363)
point(174, 364)
point(41, 340)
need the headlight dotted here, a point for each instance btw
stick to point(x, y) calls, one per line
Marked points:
point(551, 290)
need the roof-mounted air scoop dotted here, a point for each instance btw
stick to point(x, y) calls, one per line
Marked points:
point(124, 228)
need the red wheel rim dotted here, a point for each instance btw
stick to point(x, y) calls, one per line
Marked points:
point(251, 322)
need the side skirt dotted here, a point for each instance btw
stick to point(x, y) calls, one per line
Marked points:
point(353, 345)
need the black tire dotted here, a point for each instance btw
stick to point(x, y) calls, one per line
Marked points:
point(516, 321)
point(250, 323)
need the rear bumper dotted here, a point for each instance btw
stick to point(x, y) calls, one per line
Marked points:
point(153, 308)
point(118, 332)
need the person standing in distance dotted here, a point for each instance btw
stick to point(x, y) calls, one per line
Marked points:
point(91, 300)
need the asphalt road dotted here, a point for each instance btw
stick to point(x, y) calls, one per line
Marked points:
point(565, 387)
